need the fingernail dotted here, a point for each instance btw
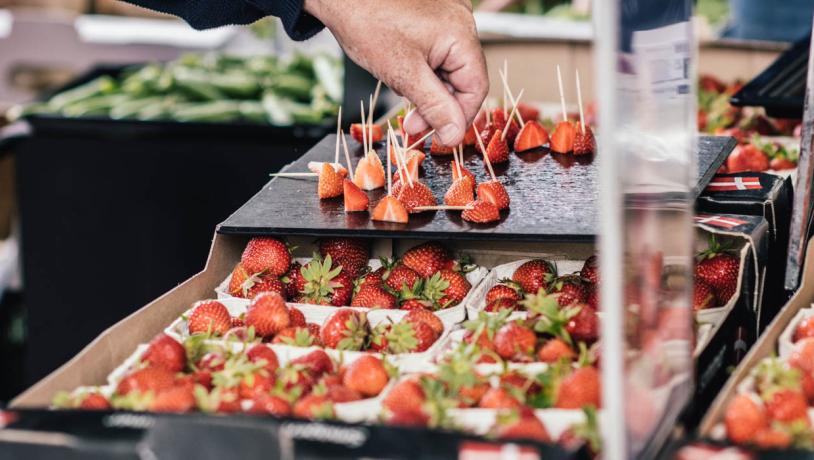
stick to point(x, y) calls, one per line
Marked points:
point(447, 133)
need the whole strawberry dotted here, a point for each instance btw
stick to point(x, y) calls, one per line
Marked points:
point(427, 259)
point(268, 314)
point(367, 375)
point(719, 269)
point(151, 378)
point(372, 296)
point(179, 398)
point(517, 426)
point(569, 289)
point(351, 253)
point(804, 329)
point(534, 275)
point(579, 388)
point(266, 255)
point(294, 281)
point(261, 354)
point(515, 342)
point(590, 270)
point(407, 337)
point(345, 329)
point(165, 352)
point(584, 326)
point(209, 317)
point(744, 418)
point(505, 289)
point(446, 288)
point(500, 304)
point(703, 296)
point(423, 315)
point(247, 286)
point(326, 284)
point(499, 398)
point(401, 276)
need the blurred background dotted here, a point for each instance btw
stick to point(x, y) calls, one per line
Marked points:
point(127, 136)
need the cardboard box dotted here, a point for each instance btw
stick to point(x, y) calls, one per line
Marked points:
point(765, 347)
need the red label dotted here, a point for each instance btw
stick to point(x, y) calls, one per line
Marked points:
point(721, 184)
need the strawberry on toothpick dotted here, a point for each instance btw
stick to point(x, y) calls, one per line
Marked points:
point(330, 182)
point(493, 191)
point(461, 192)
point(356, 199)
point(532, 134)
point(481, 212)
point(562, 139)
point(584, 143)
point(389, 208)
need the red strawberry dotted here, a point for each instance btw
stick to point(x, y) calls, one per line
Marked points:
point(414, 196)
point(426, 316)
point(590, 270)
point(464, 172)
point(499, 117)
point(779, 164)
point(593, 298)
point(437, 148)
point(407, 396)
point(352, 254)
point(497, 150)
point(355, 199)
point(515, 342)
point(531, 136)
point(804, 329)
point(703, 296)
point(524, 427)
point(584, 142)
point(414, 304)
point(317, 362)
point(460, 193)
point(787, 405)
point(372, 131)
point(770, 438)
point(407, 419)
point(294, 281)
point(367, 375)
point(372, 296)
point(502, 303)
point(166, 352)
point(533, 275)
point(297, 318)
point(374, 278)
point(498, 398)
point(746, 158)
point(330, 183)
point(578, 389)
point(338, 394)
point(209, 316)
point(266, 404)
point(446, 288)
point(554, 350)
point(345, 329)
point(486, 134)
point(326, 283)
point(155, 379)
point(406, 337)
point(494, 192)
point(562, 139)
point(262, 353)
point(267, 255)
point(584, 327)
point(390, 209)
point(744, 419)
point(427, 258)
point(569, 289)
point(314, 407)
point(505, 290)
point(268, 314)
point(256, 382)
point(402, 276)
point(94, 401)
point(256, 284)
point(298, 336)
point(178, 398)
point(719, 269)
point(481, 212)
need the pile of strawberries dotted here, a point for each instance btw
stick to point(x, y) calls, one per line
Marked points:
point(716, 275)
point(175, 377)
point(425, 277)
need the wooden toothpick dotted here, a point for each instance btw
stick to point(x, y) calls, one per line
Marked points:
point(389, 181)
point(295, 174)
point(369, 127)
point(442, 208)
point(338, 130)
point(511, 99)
point(374, 101)
point(562, 94)
point(579, 102)
point(485, 156)
point(509, 118)
point(364, 124)
point(347, 155)
point(418, 142)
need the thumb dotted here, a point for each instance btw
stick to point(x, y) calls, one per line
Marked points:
point(435, 105)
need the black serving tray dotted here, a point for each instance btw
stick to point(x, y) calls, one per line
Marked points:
point(553, 199)
point(780, 89)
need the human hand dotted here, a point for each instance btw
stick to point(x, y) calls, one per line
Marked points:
point(425, 50)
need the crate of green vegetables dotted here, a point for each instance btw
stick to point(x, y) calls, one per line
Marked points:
point(298, 95)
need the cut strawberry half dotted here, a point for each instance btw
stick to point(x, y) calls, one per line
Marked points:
point(316, 167)
point(413, 164)
point(584, 143)
point(486, 135)
point(497, 150)
point(330, 182)
point(460, 192)
point(437, 148)
point(390, 209)
point(499, 118)
point(414, 196)
point(356, 132)
point(481, 212)
point(369, 174)
point(465, 172)
point(355, 198)
point(494, 192)
point(532, 136)
point(562, 139)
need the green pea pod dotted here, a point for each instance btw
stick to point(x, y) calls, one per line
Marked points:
point(292, 86)
point(236, 84)
point(329, 74)
point(93, 106)
point(253, 112)
point(276, 110)
point(132, 107)
point(96, 87)
point(195, 85)
point(217, 111)
point(16, 112)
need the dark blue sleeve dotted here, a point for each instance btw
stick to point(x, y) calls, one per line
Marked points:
point(205, 14)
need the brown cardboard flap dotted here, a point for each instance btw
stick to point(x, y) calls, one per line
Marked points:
point(766, 346)
point(92, 365)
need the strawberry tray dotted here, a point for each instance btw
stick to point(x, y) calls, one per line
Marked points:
point(290, 206)
point(452, 315)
